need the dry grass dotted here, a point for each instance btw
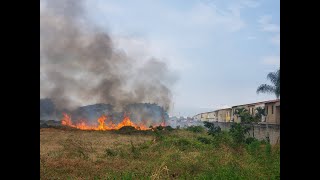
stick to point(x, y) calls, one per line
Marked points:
point(75, 154)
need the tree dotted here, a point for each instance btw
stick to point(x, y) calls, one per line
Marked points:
point(238, 132)
point(247, 118)
point(212, 129)
point(239, 112)
point(260, 112)
point(274, 77)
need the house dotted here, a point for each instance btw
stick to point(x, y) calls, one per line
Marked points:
point(234, 117)
point(272, 109)
point(251, 108)
point(224, 115)
point(206, 116)
point(273, 112)
point(212, 116)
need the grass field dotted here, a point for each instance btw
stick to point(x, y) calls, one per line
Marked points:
point(177, 154)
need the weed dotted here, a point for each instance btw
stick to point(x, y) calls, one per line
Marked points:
point(204, 140)
point(212, 129)
point(111, 152)
point(196, 129)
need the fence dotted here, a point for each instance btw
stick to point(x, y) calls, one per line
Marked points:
point(261, 131)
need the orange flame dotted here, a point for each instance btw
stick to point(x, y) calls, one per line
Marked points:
point(103, 126)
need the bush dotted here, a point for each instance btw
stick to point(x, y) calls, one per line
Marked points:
point(263, 141)
point(110, 152)
point(158, 135)
point(127, 130)
point(204, 140)
point(268, 149)
point(196, 129)
point(222, 138)
point(254, 147)
point(249, 140)
point(238, 132)
point(182, 144)
point(169, 128)
point(212, 130)
point(159, 128)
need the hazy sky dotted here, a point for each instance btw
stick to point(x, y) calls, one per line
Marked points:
point(221, 50)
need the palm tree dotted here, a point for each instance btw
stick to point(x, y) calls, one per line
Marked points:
point(274, 77)
point(239, 112)
point(260, 112)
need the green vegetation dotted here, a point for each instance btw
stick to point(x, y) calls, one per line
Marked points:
point(196, 129)
point(212, 130)
point(274, 77)
point(249, 119)
point(158, 154)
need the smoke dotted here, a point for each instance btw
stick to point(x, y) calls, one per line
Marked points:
point(80, 65)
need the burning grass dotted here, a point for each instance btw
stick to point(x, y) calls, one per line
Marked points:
point(104, 124)
point(160, 154)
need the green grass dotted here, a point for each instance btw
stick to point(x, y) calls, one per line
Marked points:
point(178, 154)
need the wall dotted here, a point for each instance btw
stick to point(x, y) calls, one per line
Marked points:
point(278, 114)
point(204, 116)
point(260, 131)
point(211, 116)
point(272, 118)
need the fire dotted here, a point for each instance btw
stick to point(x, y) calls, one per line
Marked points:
point(66, 120)
point(102, 125)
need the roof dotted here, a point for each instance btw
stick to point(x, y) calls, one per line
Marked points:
point(262, 102)
point(223, 109)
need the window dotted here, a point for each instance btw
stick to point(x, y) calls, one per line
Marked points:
point(272, 109)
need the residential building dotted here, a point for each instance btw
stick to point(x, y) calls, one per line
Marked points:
point(251, 108)
point(224, 115)
point(272, 109)
point(273, 112)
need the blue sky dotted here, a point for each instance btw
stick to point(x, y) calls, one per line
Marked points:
point(221, 50)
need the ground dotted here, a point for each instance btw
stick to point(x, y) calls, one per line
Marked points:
point(177, 154)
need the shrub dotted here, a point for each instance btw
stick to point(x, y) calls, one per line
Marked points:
point(127, 130)
point(222, 138)
point(110, 152)
point(263, 141)
point(238, 132)
point(160, 128)
point(204, 140)
point(182, 144)
point(254, 147)
point(268, 149)
point(169, 128)
point(249, 140)
point(158, 135)
point(196, 129)
point(212, 130)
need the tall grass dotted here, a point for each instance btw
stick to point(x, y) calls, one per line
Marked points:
point(178, 154)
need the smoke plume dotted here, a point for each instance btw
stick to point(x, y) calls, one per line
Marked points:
point(79, 63)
